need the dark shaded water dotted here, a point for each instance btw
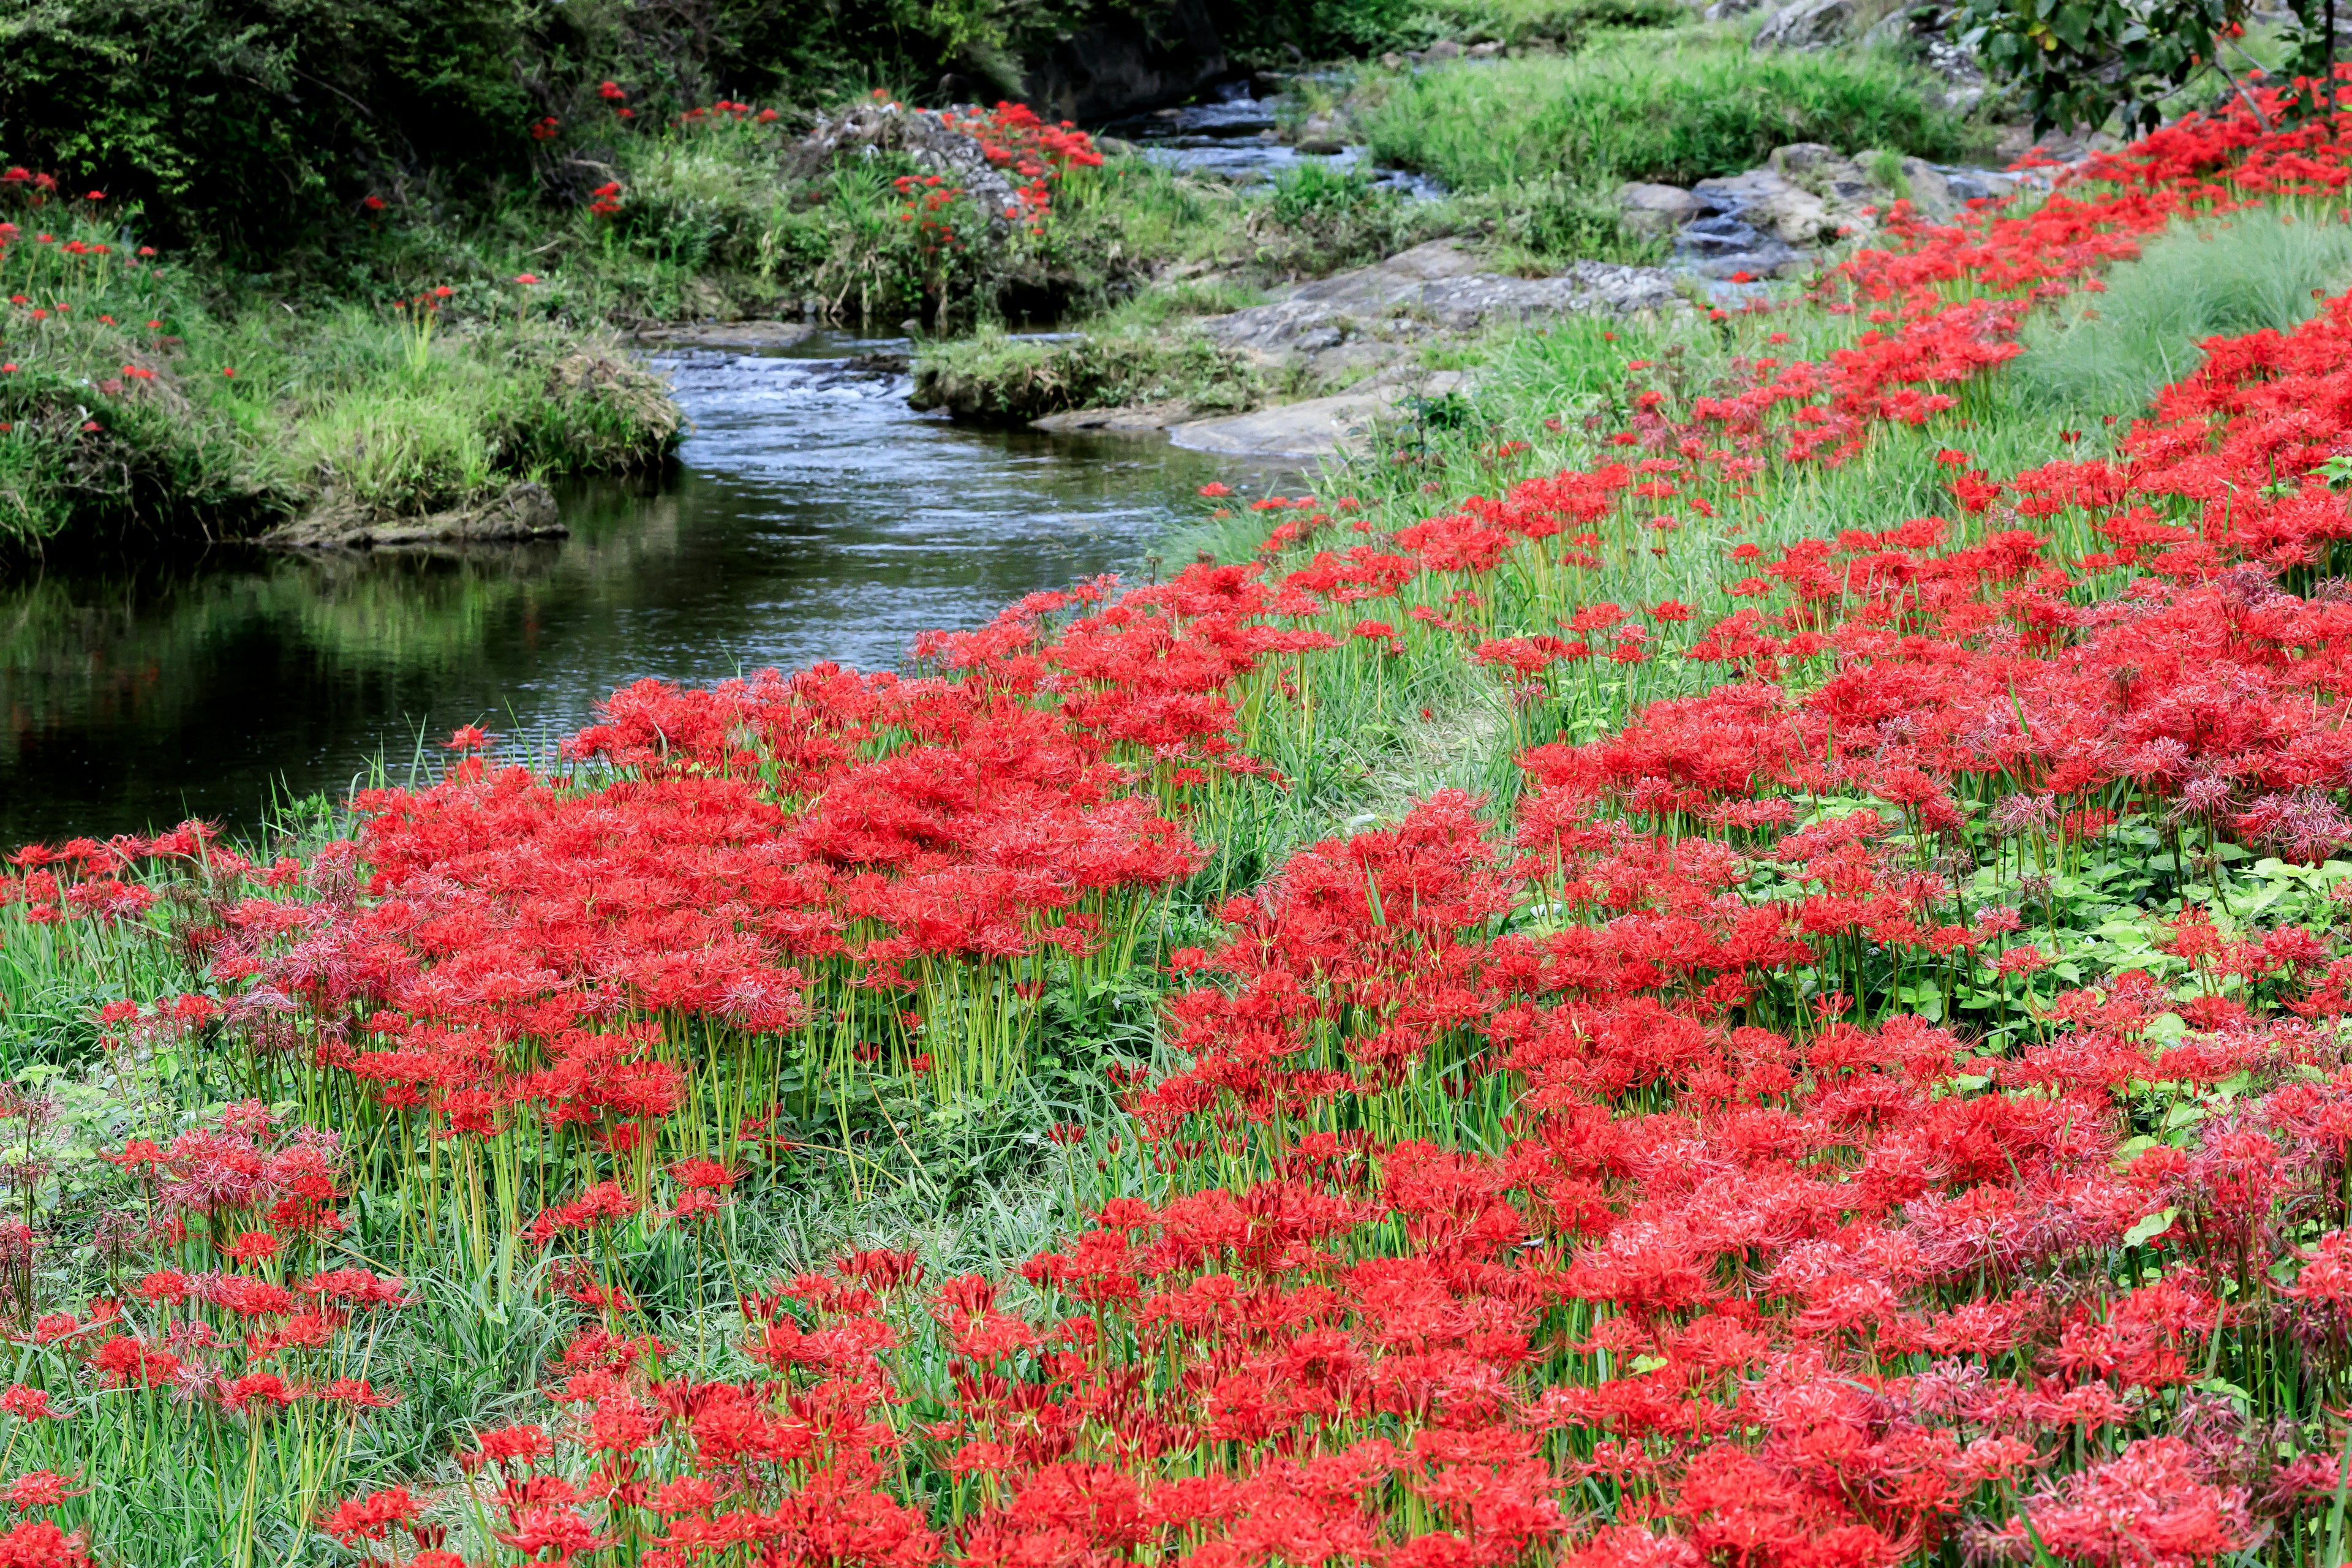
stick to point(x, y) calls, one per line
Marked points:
point(815, 516)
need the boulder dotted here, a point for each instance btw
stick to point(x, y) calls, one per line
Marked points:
point(1826, 173)
point(1760, 223)
point(1645, 208)
point(1724, 10)
point(1317, 427)
point(1771, 202)
point(1806, 25)
point(1130, 61)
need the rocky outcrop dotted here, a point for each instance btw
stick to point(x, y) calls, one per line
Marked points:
point(524, 511)
point(1936, 38)
point(1778, 221)
point(1806, 25)
point(1137, 420)
point(1360, 321)
point(1315, 427)
point(1130, 61)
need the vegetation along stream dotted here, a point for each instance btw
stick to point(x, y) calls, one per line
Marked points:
point(813, 515)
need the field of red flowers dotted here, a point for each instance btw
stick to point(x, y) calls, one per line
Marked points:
point(1870, 1086)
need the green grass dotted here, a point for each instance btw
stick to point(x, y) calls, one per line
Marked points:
point(2110, 350)
point(1675, 109)
point(997, 376)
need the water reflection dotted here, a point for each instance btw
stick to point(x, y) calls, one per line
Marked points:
point(815, 516)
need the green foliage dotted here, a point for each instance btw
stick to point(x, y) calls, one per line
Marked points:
point(1566, 22)
point(258, 124)
point(1321, 28)
point(1703, 109)
point(2075, 62)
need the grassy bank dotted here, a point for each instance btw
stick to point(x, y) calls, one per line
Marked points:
point(142, 397)
point(1880, 995)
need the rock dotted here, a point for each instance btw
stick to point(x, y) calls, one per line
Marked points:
point(1443, 49)
point(525, 512)
point(1486, 51)
point(1828, 173)
point(747, 335)
point(1806, 25)
point(1317, 427)
point(1430, 287)
point(1320, 136)
point(1131, 61)
point(1755, 224)
point(1772, 203)
point(1136, 419)
point(1935, 36)
point(1392, 61)
point(1646, 208)
point(1724, 10)
point(1930, 194)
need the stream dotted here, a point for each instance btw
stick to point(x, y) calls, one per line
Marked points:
point(812, 515)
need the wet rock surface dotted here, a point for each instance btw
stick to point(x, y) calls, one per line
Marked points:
point(741, 335)
point(1778, 221)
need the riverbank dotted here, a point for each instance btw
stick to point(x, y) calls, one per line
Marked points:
point(1547, 949)
point(141, 399)
point(425, 355)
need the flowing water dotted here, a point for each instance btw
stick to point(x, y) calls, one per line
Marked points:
point(1233, 136)
point(813, 515)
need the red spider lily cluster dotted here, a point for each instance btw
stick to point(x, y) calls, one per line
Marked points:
point(1013, 137)
point(725, 110)
point(1883, 1100)
point(931, 201)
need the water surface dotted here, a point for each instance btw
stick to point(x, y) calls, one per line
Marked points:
point(813, 516)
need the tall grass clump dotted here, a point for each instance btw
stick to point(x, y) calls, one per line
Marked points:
point(1700, 108)
point(2113, 349)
